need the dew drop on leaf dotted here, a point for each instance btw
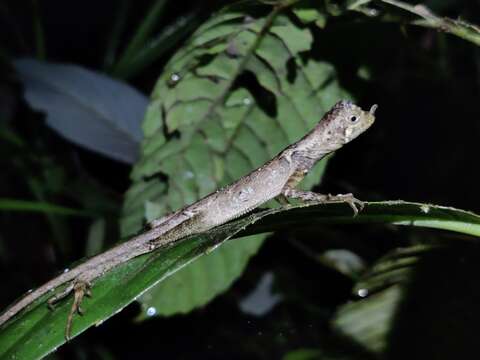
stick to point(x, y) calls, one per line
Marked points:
point(151, 311)
point(173, 79)
point(362, 293)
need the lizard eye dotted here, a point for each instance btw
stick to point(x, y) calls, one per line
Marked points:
point(354, 119)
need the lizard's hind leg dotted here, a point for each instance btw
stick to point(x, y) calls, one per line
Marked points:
point(80, 289)
point(306, 196)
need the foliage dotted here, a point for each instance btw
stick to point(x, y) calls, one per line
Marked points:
point(232, 86)
point(38, 330)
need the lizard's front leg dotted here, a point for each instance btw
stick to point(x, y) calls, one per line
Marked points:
point(307, 196)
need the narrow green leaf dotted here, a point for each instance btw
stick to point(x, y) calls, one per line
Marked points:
point(156, 46)
point(121, 15)
point(389, 212)
point(37, 331)
point(37, 206)
point(144, 31)
point(424, 17)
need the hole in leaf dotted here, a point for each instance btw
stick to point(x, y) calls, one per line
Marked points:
point(291, 71)
point(263, 98)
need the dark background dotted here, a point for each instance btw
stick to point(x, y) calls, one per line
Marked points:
point(423, 147)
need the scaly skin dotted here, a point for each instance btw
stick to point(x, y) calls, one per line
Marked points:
point(277, 178)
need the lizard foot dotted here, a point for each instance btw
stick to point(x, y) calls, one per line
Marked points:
point(80, 289)
point(307, 196)
point(353, 202)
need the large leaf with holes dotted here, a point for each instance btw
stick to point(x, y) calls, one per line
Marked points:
point(240, 90)
point(36, 331)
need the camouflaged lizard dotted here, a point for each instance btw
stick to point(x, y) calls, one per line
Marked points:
point(276, 179)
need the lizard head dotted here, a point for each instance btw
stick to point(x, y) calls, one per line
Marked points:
point(348, 120)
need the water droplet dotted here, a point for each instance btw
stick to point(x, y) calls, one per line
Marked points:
point(373, 12)
point(66, 270)
point(247, 101)
point(29, 291)
point(151, 311)
point(425, 209)
point(362, 293)
point(173, 79)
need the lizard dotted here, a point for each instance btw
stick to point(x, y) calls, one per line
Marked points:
point(277, 178)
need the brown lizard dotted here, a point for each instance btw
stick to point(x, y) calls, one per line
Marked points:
point(276, 179)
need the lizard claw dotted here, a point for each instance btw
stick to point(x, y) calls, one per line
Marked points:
point(353, 202)
point(88, 291)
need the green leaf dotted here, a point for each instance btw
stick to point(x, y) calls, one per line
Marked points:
point(143, 32)
point(207, 126)
point(310, 11)
point(393, 268)
point(155, 47)
point(303, 354)
point(37, 206)
point(390, 212)
point(423, 16)
point(114, 39)
point(368, 321)
point(37, 331)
